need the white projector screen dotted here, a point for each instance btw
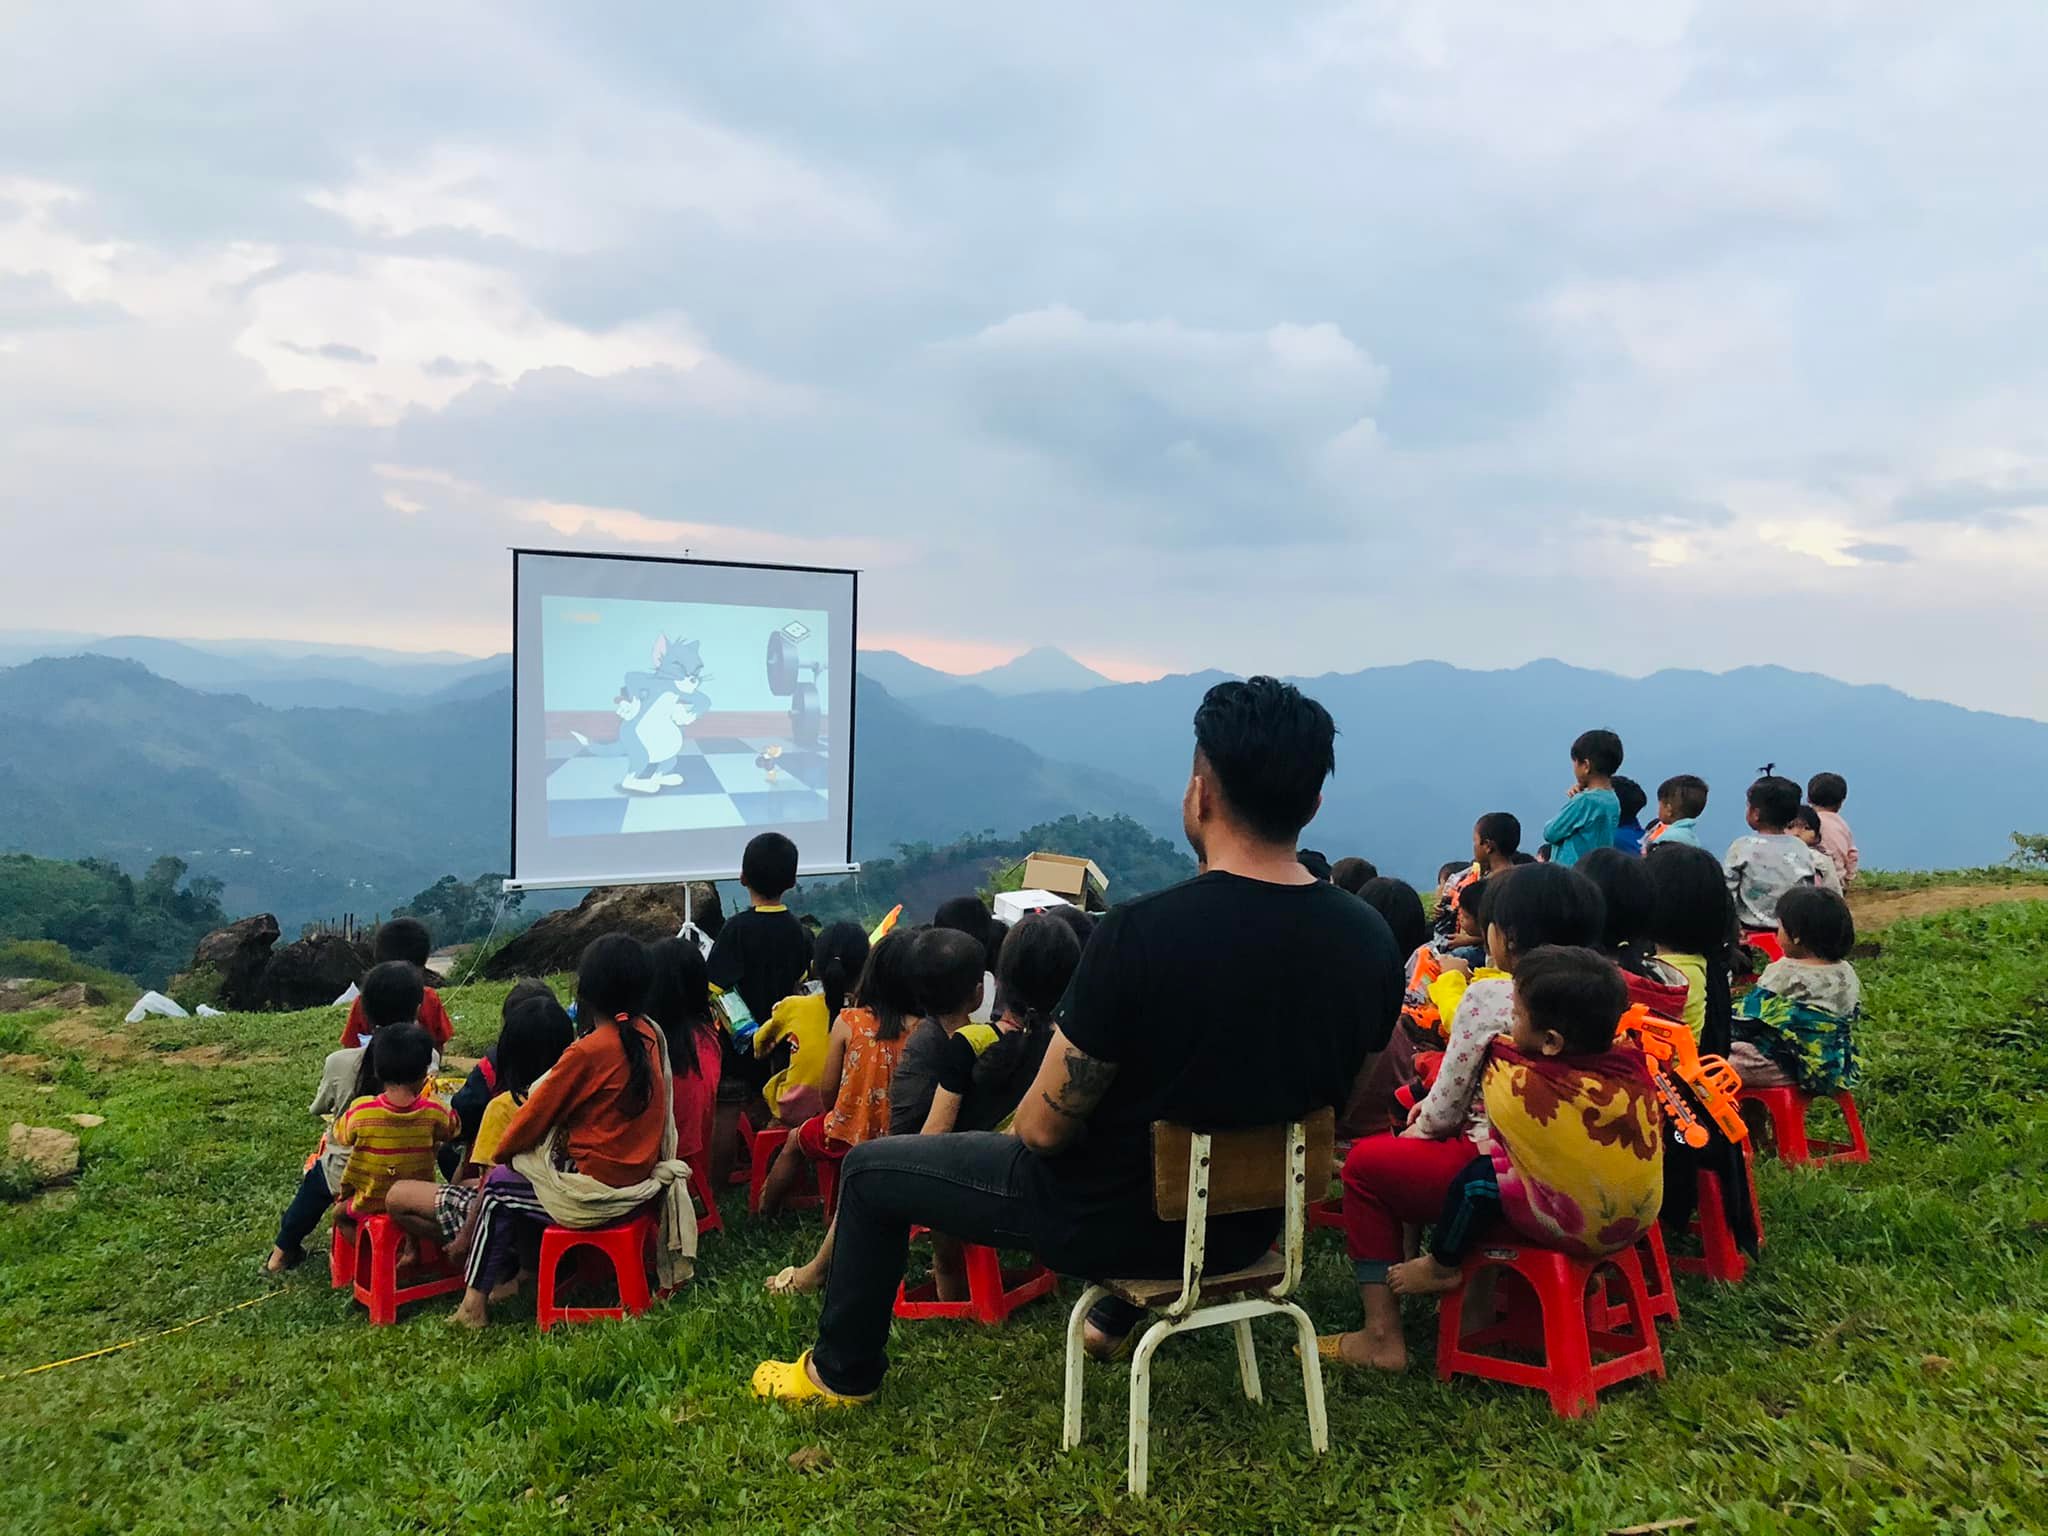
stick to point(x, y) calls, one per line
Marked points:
point(666, 711)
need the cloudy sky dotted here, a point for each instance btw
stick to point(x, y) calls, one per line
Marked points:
point(1309, 337)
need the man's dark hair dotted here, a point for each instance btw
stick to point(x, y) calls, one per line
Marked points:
point(1631, 796)
point(1827, 790)
point(1600, 748)
point(966, 914)
point(768, 867)
point(1819, 919)
point(1503, 830)
point(1775, 800)
point(1315, 863)
point(945, 968)
point(1539, 904)
point(1627, 893)
point(404, 1053)
point(1350, 874)
point(1575, 991)
point(533, 1039)
point(1396, 901)
point(1039, 959)
point(1685, 792)
point(1270, 747)
point(403, 938)
point(392, 994)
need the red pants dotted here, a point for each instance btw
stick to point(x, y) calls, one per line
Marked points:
point(1389, 1180)
point(817, 1146)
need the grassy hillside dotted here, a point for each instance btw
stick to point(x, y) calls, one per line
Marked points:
point(1884, 1368)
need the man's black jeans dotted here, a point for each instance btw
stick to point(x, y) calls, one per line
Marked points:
point(981, 1188)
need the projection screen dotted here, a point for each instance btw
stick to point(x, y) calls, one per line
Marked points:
point(666, 711)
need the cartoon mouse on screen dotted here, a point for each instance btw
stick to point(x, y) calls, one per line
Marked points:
point(653, 709)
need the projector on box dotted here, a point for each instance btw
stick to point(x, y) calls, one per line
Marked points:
point(1014, 906)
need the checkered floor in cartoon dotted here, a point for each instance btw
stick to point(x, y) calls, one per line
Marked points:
point(723, 786)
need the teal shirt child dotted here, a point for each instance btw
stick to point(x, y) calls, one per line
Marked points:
point(1587, 822)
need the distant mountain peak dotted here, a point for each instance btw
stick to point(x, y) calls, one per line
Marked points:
point(1042, 669)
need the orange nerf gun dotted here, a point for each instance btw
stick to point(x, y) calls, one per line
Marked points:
point(882, 929)
point(1709, 1081)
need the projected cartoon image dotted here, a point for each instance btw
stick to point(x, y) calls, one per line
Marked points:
point(635, 742)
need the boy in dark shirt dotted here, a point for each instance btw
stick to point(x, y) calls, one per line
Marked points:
point(762, 953)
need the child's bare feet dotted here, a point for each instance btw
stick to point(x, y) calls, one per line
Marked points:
point(472, 1312)
point(1377, 1351)
point(280, 1261)
point(505, 1290)
point(1423, 1277)
point(408, 1253)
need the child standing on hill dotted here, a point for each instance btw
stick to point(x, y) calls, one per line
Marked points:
point(1681, 801)
point(1827, 791)
point(1592, 811)
point(867, 1043)
point(1769, 861)
point(762, 953)
point(405, 939)
point(390, 998)
point(1796, 1028)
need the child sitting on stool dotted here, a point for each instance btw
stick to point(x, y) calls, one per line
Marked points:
point(1796, 1027)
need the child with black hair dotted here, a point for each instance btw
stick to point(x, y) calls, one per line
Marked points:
point(482, 1085)
point(1806, 826)
point(391, 998)
point(979, 1089)
point(968, 915)
point(1693, 927)
point(868, 1038)
point(1592, 811)
point(536, 1031)
point(1629, 797)
point(1397, 902)
point(946, 974)
point(803, 1022)
point(679, 1002)
point(1572, 1132)
point(1827, 792)
point(1769, 861)
point(761, 954)
point(605, 1109)
point(1496, 844)
point(405, 939)
point(1681, 801)
point(1629, 895)
point(1796, 1027)
point(1467, 941)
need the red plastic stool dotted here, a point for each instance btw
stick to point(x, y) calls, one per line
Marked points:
point(700, 1186)
point(341, 1253)
point(763, 1147)
point(993, 1292)
point(1611, 1307)
point(1766, 941)
point(1327, 1213)
point(371, 1243)
point(1550, 1314)
point(828, 1187)
point(1787, 1108)
point(624, 1243)
point(1719, 1257)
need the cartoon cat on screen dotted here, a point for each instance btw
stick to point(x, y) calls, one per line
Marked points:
point(654, 708)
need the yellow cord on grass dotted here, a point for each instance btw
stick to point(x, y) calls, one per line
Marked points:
point(112, 1349)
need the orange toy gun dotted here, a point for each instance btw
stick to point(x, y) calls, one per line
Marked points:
point(1671, 1052)
point(882, 929)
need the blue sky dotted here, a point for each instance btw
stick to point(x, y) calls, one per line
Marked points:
point(1296, 337)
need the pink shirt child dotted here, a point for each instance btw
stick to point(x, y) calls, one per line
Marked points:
point(1838, 843)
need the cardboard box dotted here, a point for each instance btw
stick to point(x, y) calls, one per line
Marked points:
point(1014, 906)
point(1081, 881)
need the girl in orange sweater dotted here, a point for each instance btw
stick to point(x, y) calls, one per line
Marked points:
point(608, 1100)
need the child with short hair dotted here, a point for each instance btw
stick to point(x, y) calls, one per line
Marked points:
point(1827, 791)
point(391, 997)
point(946, 976)
point(1592, 811)
point(1573, 1127)
point(868, 1038)
point(971, 916)
point(1628, 794)
point(1496, 847)
point(536, 1032)
point(979, 1089)
point(1806, 827)
point(762, 953)
point(1681, 801)
point(1796, 1027)
point(405, 939)
point(1769, 861)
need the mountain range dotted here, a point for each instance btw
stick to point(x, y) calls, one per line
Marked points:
point(353, 801)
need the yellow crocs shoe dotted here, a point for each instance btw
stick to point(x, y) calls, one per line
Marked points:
point(789, 1381)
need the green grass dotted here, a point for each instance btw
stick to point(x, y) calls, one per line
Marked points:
point(1885, 1368)
point(1931, 879)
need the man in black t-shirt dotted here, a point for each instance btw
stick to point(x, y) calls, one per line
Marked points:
point(1246, 996)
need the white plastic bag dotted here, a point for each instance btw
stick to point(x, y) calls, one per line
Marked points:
point(347, 997)
point(157, 1003)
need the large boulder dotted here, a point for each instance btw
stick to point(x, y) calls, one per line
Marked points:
point(648, 912)
point(313, 972)
point(239, 954)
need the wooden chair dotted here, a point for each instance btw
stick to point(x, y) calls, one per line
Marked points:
point(1196, 1174)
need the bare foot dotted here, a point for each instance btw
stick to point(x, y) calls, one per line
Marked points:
point(1380, 1352)
point(506, 1290)
point(1423, 1277)
point(278, 1262)
point(951, 1285)
point(472, 1312)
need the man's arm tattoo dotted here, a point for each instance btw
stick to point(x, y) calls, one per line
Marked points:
point(1087, 1081)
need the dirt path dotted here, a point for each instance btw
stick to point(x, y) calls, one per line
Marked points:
point(1874, 909)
